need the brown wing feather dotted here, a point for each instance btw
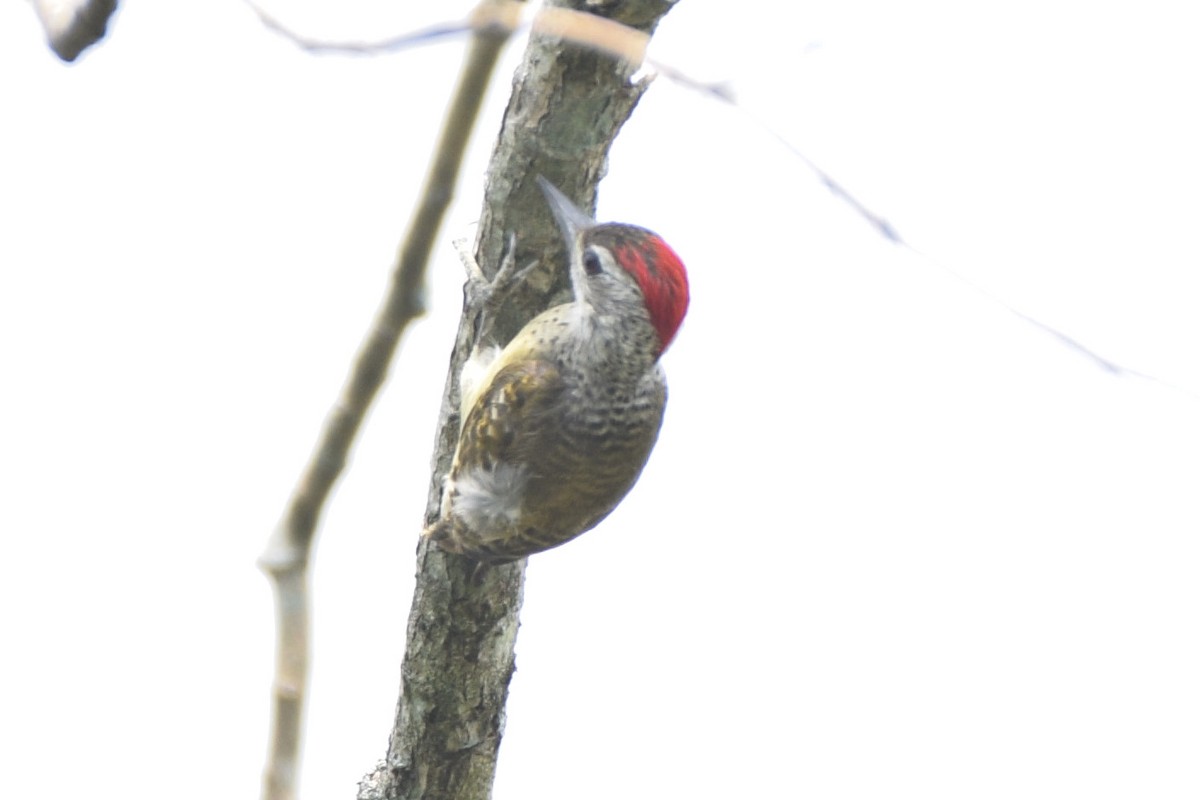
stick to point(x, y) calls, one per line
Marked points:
point(508, 420)
point(510, 424)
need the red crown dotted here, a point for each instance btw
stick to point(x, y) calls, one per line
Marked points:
point(657, 270)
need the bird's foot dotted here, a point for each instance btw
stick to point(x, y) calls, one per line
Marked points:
point(489, 295)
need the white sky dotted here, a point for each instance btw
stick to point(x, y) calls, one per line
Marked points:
point(894, 542)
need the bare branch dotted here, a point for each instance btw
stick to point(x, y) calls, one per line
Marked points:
point(73, 26)
point(580, 27)
point(889, 232)
point(289, 549)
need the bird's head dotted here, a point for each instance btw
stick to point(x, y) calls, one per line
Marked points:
point(613, 265)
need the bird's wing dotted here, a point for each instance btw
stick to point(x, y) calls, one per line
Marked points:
point(512, 416)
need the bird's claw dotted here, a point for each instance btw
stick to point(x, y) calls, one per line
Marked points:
point(488, 295)
point(478, 288)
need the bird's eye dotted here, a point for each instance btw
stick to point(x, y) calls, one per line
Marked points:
point(591, 263)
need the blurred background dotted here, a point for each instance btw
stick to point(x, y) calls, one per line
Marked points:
point(894, 540)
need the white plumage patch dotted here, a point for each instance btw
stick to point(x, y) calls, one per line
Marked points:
point(486, 499)
point(473, 375)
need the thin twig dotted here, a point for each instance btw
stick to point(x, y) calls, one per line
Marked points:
point(570, 25)
point(289, 549)
point(884, 228)
point(490, 16)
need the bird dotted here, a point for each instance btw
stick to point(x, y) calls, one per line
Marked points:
point(557, 424)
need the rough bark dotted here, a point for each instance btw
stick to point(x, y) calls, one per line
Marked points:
point(566, 108)
point(288, 554)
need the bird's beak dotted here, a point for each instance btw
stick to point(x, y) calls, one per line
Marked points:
point(570, 219)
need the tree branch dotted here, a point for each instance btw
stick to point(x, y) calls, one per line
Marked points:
point(72, 27)
point(566, 108)
point(287, 554)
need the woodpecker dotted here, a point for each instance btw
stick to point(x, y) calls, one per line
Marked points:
point(557, 426)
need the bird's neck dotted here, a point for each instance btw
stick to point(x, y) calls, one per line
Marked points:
point(621, 346)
